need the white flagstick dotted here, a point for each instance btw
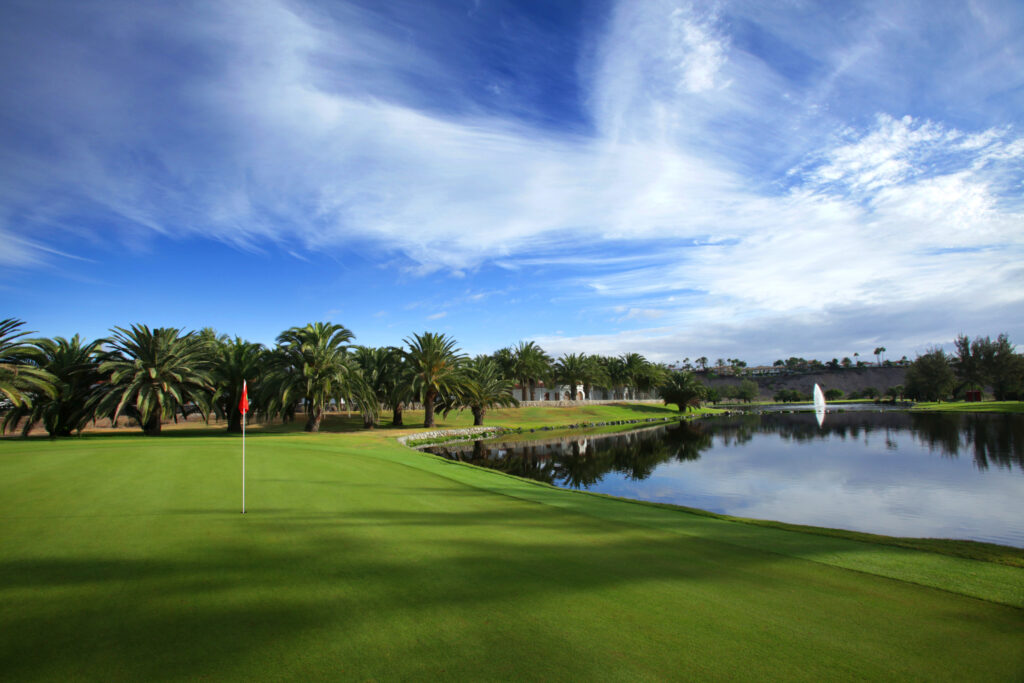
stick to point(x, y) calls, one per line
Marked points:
point(243, 463)
point(243, 450)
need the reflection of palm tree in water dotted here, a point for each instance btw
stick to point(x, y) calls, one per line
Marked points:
point(579, 469)
point(635, 455)
point(528, 461)
point(582, 462)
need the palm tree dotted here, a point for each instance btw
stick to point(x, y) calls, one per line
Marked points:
point(683, 389)
point(570, 369)
point(506, 360)
point(386, 374)
point(595, 374)
point(634, 367)
point(650, 378)
point(483, 387)
point(313, 365)
point(436, 366)
point(398, 379)
point(235, 361)
point(20, 374)
point(155, 372)
point(878, 354)
point(74, 366)
point(529, 365)
point(615, 369)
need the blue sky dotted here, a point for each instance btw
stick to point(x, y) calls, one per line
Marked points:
point(729, 179)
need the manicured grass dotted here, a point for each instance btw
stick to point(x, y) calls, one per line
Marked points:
point(124, 557)
point(532, 417)
point(559, 416)
point(964, 407)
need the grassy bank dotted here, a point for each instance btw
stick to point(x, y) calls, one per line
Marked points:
point(126, 557)
point(964, 407)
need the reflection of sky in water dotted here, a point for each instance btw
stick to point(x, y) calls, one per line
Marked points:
point(893, 473)
point(886, 481)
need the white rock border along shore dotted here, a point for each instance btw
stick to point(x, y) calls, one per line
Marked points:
point(445, 433)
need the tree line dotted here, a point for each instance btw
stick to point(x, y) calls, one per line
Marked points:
point(973, 366)
point(156, 374)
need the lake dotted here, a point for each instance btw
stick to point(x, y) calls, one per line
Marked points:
point(940, 475)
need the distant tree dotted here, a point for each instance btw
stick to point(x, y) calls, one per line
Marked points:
point(615, 371)
point(894, 392)
point(788, 396)
point(398, 383)
point(649, 378)
point(155, 371)
point(378, 368)
point(702, 363)
point(834, 364)
point(483, 387)
point(747, 391)
point(530, 364)
point(985, 361)
point(713, 395)
point(313, 364)
point(635, 368)
point(235, 361)
point(571, 369)
point(436, 364)
point(779, 363)
point(795, 363)
point(505, 358)
point(74, 366)
point(684, 390)
point(596, 374)
point(21, 378)
point(878, 354)
point(929, 378)
point(833, 394)
point(869, 392)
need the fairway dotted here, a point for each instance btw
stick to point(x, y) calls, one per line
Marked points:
point(124, 557)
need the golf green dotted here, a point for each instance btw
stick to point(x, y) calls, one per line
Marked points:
point(124, 557)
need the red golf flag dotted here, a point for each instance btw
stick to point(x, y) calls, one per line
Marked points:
point(243, 405)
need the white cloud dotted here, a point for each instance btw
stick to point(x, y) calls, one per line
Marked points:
point(312, 130)
point(437, 316)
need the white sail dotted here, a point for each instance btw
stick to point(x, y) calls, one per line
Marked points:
point(819, 405)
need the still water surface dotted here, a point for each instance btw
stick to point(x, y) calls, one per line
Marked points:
point(943, 475)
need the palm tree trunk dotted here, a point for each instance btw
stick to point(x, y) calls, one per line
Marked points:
point(524, 390)
point(315, 416)
point(478, 416)
point(152, 426)
point(234, 420)
point(428, 409)
point(396, 419)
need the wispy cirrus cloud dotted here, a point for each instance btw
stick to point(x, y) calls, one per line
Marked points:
point(768, 161)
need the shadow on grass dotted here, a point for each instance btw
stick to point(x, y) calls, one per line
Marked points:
point(312, 591)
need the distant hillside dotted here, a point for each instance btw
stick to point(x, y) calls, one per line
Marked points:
point(846, 380)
